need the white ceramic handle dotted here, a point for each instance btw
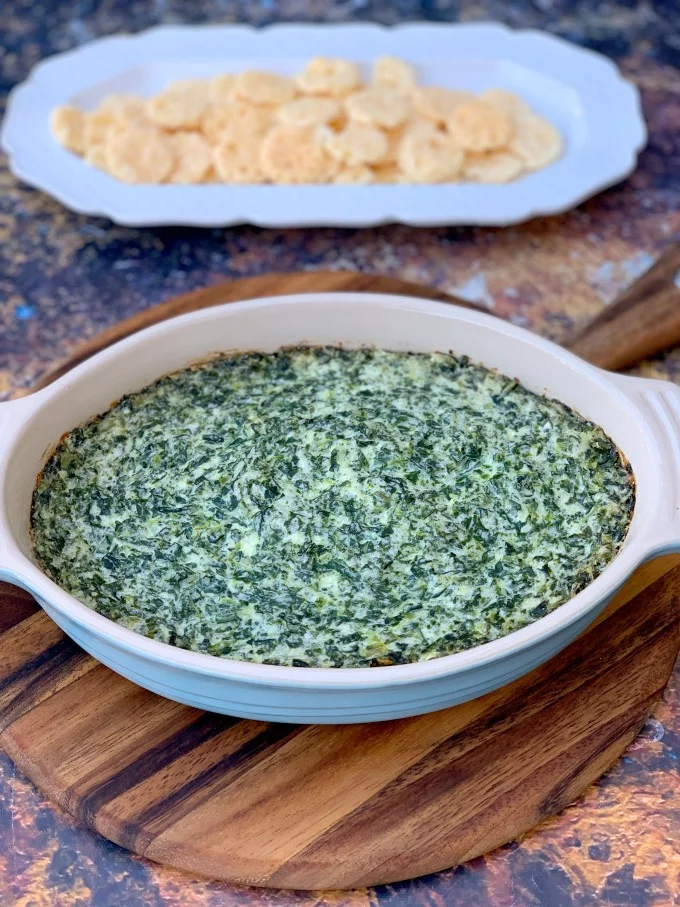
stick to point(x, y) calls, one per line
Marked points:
point(13, 415)
point(660, 403)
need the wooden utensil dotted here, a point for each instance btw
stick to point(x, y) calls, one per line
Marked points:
point(319, 807)
point(644, 320)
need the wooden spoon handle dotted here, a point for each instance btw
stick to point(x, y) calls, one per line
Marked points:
point(643, 321)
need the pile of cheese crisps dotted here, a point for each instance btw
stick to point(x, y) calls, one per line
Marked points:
point(322, 126)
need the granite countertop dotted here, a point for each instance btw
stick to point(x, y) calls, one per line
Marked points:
point(63, 278)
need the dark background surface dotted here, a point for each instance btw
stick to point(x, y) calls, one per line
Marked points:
point(63, 278)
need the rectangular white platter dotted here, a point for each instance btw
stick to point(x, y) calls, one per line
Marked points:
point(581, 92)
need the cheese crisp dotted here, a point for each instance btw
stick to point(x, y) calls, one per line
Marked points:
point(331, 508)
point(321, 125)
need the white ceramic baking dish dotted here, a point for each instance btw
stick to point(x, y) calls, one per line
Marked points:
point(641, 416)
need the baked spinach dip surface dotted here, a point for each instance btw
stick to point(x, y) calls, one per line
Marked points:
point(331, 508)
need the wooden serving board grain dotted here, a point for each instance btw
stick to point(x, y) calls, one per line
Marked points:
point(327, 807)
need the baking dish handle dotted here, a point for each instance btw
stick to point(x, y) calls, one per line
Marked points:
point(660, 403)
point(13, 415)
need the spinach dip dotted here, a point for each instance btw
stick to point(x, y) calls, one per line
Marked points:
point(331, 508)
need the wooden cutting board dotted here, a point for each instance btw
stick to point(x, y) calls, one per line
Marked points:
point(326, 807)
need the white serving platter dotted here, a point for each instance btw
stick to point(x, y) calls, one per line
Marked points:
point(581, 92)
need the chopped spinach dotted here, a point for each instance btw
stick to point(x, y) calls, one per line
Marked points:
point(326, 507)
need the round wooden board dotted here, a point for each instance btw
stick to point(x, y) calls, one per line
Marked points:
point(326, 807)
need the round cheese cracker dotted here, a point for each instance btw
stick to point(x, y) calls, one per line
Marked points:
point(221, 88)
point(429, 157)
point(356, 144)
point(479, 126)
point(260, 87)
point(415, 123)
point(395, 73)
point(379, 106)
point(68, 127)
point(124, 107)
point(536, 142)
point(251, 119)
point(95, 156)
point(210, 176)
point(329, 76)
point(97, 126)
point(236, 158)
point(311, 111)
point(293, 155)
point(506, 101)
point(492, 166)
point(356, 175)
point(215, 120)
point(389, 173)
point(179, 106)
point(240, 115)
point(139, 154)
point(438, 104)
point(193, 157)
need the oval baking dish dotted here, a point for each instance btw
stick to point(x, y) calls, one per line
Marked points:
point(641, 416)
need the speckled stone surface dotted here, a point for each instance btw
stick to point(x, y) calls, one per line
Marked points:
point(63, 278)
